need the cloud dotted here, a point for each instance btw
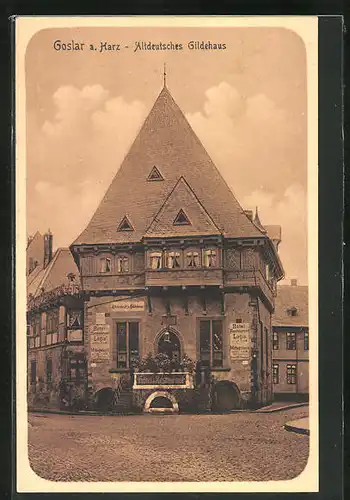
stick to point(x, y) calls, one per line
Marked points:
point(290, 212)
point(73, 157)
point(255, 143)
point(258, 147)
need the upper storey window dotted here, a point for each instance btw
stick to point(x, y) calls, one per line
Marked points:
point(123, 264)
point(192, 259)
point(173, 260)
point(156, 260)
point(210, 258)
point(105, 265)
point(181, 219)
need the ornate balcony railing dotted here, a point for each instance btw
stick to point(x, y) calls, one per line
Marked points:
point(52, 296)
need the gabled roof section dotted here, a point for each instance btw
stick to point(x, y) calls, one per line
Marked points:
point(182, 200)
point(155, 175)
point(54, 275)
point(165, 139)
point(289, 297)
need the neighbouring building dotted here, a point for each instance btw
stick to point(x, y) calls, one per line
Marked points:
point(174, 271)
point(290, 344)
point(56, 357)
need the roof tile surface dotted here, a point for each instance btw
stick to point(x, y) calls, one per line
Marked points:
point(167, 141)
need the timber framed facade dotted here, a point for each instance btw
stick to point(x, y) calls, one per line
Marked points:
point(172, 268)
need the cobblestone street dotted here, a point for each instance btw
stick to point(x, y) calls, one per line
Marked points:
point(231, 447)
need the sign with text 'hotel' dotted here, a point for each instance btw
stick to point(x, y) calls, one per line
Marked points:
point(239, 341)
point(128, 305)
point(99, 343)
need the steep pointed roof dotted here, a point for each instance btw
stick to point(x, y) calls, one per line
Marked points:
point(55, 274)
point(182, 200)
point(166, 140)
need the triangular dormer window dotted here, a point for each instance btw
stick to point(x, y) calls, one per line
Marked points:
point(125, 225)
point(181, 219)
point(155, 175)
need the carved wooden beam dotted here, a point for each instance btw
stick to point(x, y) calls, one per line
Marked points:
point(167, 306)
point(149, 304)
point(204, 303)
point(186, 304)
point(222, 302)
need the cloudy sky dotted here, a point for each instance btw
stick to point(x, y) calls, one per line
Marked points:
point(247, 104)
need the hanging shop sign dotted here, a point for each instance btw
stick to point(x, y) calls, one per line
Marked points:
point(128, 305)
point(100, 318)
point(100, 349)
point(239, 341)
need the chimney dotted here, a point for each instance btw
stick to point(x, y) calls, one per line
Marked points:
point(294, 282)
point(47, 248)
point(249, 214)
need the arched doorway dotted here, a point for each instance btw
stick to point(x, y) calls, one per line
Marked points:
point(104, 399)
point(161, 402)
point(226, 396)
point(169, 344)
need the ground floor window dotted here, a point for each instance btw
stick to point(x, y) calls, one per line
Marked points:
point(275, 374)
point(33, 372)
point(77, 368)
point(49, 371)
point(211, 342)
point(291, 374)
point(306, 341)
point(127, 343)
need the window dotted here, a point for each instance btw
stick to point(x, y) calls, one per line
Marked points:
point(75, 318)
point(275, 374)
point(155, 175)
point(123, 264)
point(267, 348)
point(210, 258)
point(156, 260)
point(125, 225)
point(306, 341)
point(127, 343)
point(173, 260)
point(33, 372)
point(275, 342)
point(291, 374)
point(49, 371)
point(181, 219)
point(105, 265)
point(292, 311)
point(77, 368)
point(291, 341)
point(52, 327)
point(192, 259)
point(211, 343)
point(267, 272)
point(35, 327)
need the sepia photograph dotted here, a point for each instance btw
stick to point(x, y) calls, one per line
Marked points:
point(167, 175)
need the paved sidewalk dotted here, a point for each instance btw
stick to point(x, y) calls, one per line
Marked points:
point(301, 426)
point(280, 406)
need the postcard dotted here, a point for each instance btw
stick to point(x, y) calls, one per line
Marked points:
point(166, 254)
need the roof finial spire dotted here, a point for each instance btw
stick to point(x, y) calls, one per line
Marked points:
point(164, 75)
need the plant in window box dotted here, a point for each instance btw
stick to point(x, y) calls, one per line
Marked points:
point(135, 363)
point(148, 364)
point(163, 362)
point(187, 364)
